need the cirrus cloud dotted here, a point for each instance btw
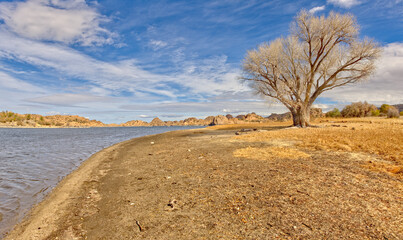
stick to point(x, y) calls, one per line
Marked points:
point(344, 3)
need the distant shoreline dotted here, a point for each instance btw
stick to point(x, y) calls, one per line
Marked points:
point(10, 119)
point(26, 127)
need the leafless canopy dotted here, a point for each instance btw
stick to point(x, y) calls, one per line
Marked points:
point(320, 54)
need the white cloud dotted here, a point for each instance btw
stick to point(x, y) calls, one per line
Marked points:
point(208, 77)
point(344, 3)
point(53, 113)
point(323, 106)
point(146, 116)
point(9, 82)
point(68, 99)
point(211, 76)
point(386, 86)
point(121, 75)
point(157, 44)
point(67, 21)
point(317, 9)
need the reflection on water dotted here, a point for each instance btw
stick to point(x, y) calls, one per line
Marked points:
point(33, 161)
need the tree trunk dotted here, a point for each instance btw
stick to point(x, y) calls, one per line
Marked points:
point(301, 116)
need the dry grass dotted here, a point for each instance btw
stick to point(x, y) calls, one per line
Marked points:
point(383, 137)
point(250, 125)
point(270, 153)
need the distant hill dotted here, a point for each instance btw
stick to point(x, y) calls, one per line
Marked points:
point(8, 118)
point(11, 119)
point(399, 107)
point(208, 121)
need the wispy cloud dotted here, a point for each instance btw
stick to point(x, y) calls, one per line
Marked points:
point(66, 21)
point(68, 99)
point(207, 77)
point(9, 82)
point(121, 75)
point(344, 3)
point(386, 86)
point(317, 9)
point(146, 116)
point(157, 44)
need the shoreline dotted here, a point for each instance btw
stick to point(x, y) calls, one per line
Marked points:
point(58, 198)
point(42, 127)
point(187, 184)
point(74, 179)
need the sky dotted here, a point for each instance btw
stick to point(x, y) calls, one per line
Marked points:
point(116, 61)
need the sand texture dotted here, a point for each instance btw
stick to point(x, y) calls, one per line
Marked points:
point(196, 184)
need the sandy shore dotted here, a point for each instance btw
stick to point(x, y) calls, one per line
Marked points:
point(188, 185)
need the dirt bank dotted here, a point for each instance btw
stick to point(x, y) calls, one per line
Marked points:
point(188, 185)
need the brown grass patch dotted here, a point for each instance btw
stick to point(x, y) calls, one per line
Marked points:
point(270, 153)
point(382, 137)
point(251, 125)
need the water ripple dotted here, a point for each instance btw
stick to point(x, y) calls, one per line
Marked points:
point(33, 161)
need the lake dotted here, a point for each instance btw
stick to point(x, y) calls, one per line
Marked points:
point(34, 160)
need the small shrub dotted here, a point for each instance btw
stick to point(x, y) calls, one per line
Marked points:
point(334, 113)
point(358, 109)
point(393, 112)
point(384, 108)
point(375, 113)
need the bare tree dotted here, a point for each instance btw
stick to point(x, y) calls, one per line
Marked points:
point(320, 54)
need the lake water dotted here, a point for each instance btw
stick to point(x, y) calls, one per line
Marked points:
point(33, 161)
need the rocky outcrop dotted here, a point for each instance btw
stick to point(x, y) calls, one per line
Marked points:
point(399, 107)
point(240, 117)
point(193, 122)
point(219, 120)
point(135, 123)
point(208, 120)
point(280, 117)
point(157, 122)
point(34, 120)
point(253, 117)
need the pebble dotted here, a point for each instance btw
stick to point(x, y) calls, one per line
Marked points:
point(152, 143)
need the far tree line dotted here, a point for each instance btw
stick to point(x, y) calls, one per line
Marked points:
point(364, 109)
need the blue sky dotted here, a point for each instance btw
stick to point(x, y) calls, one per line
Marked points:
point(116, 61)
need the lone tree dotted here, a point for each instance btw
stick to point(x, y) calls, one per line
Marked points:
point(320, 54)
